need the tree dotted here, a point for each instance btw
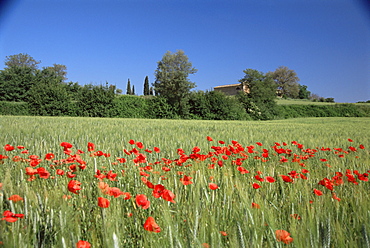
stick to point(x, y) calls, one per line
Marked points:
point(171, 80)
point(96, 101)
point(259, 102)
point(128, 89)
point(21, 60)
point(133, 90)
point(48, 95)
point(15, 83)
point(287, 81)
point(60, 70)
point(146, 86)
point(303, 92)
point(18, 77)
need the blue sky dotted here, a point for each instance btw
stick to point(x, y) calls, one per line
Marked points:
point(326, 42)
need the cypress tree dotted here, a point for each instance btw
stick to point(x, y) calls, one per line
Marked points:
point(128, 90)
point(133, 90)
point(146, 86)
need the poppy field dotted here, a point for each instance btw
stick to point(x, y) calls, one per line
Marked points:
point(91, 182)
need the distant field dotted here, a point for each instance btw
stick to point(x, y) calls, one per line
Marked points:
point(237, 188)
point(307, 102)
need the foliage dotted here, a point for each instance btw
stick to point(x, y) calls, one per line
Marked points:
point(13, 108)
point(21, 60)
point(303, 92)
point(146, 87)
point(236, 214)
point(287, 81)
point(335, 110)
point(128, 89)
point(259, 102)
point(171, 80)
point(215, 105)
point(160, 109)
point(127, 106)
point(48, 95)
point(15, 83)
point(95, 101)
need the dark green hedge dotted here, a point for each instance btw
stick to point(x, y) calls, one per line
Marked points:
point(201, 106)
point(336, 110)
point(13, 108)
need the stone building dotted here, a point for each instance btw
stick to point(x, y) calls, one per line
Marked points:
point(231, 89)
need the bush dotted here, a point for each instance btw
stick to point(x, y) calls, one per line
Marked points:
point(215, 105)
point(129, 106)
point(13, 108)
point(337, 110)
point(159, 108)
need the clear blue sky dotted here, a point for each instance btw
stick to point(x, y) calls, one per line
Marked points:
point(326, 42)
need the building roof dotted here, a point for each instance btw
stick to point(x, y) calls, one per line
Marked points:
point(228, 85)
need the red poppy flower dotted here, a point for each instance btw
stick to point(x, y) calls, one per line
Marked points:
point(350, 140)
point(255, 205)
point(151, 226)
point(49, 156)
point(317, 192)
point(139, 145)
point(286, 179)
point(295, 216)
point(60, 172)
point(157, 150)
point(8, 148)
point(168, 195)
point(213, 186)
point(74, 186)
point(270, 179)
point(103, 202)
point(223, 233)
point(90, 147)
point(186, 180)
point(83, 244)
point(242, 170)
point(11, 217)
point(126, 195)
point(283, 236)
point(66, 145)
point(142, 201)
point(258, 178)
point(15, 198)
point(158, 190)
point(256, 186)
point(43, 173)
point(31, 171)
point(335, 197)
point(209, 138)
point(114, 191)
point(131, 142)
point(259, 143)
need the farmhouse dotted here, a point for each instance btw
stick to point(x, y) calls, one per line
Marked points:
point(231, 89)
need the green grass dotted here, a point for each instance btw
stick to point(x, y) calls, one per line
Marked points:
point(199, 213)
point(282, 101)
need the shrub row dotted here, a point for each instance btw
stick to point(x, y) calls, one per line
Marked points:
point(206, 106)
point(336, 110)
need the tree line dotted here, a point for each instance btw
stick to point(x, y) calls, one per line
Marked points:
point(46, 92)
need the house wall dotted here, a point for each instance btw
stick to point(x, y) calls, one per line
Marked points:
point(231, 90)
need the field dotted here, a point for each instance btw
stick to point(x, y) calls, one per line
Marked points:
point(281, 101)
point(204, 183)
